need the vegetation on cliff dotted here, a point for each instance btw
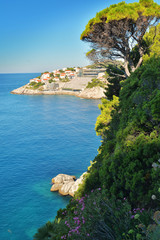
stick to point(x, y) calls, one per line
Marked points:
point(124, 177)
point(35, 85)
point(119, 198)
point(96, 83)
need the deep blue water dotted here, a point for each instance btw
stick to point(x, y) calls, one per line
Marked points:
point(40, 137)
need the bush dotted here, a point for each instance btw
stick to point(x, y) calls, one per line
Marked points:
point(132, 141)
point(95, 217)
point(64, 79)
point(95, 83)
point(36, 85)
point(51, 81)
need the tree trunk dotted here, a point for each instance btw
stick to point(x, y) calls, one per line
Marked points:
point(126, 69)
point(141, 58)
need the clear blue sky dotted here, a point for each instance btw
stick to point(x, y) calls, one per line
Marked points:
point(40, 35)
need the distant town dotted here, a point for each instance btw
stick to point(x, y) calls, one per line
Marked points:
point(86, 82)
point(67, 74)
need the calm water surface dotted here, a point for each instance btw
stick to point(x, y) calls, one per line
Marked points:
point(40, 137)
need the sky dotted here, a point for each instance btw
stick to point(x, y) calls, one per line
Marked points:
point(43, 35)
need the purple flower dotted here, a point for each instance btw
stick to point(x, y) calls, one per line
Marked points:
point(78, 222)
point(92, 190)
point(132, 216)
point(88, 235)
point(99, 189)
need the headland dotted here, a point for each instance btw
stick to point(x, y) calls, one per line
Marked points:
point(80, 82)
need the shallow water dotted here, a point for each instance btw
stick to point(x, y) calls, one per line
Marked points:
point(40, 136)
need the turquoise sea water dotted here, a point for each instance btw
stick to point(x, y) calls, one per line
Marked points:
point(40, 137)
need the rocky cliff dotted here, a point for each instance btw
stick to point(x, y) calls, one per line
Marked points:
point(88, 93)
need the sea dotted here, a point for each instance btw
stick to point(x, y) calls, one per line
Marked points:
point(40, 137)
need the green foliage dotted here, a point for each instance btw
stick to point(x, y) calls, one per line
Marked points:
point(127, 166)
point(52, 74)
point(95, 83)
point(114, 77)
point(71, 69)
point(103, 120)
point(152, 40)
point(131, 140)
point(36, 85)
point(66, 79)
point(123, 10)
point(94, 216)
point(61, 71)
point(51, 81)
point(44, 232)
point(90, 52)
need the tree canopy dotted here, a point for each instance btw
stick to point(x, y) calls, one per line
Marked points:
point(116, 30)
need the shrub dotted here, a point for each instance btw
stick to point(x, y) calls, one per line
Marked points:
point(95, 83)
point(36, 85)
point(96, 217)
point(132, 141)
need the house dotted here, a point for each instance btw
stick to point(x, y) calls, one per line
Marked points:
point(77, 69)
point(46, 79)
point(45, 75)
point(68, 72)
point(56, 78)
point(35, 80)
point(62, 75)
point(57, 72)
point(32, 80)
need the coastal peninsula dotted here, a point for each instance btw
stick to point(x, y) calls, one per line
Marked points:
point(84, 82)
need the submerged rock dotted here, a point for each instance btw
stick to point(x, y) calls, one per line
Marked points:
point(66, 184)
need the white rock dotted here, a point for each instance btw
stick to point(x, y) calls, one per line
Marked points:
point(64, 190)
point(76, 184)
point(61, 178)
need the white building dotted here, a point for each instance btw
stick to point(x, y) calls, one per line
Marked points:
point(62, 75)
point(45, 76)
point(101, 75)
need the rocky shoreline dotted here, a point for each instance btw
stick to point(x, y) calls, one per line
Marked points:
point(66, 184)
point(87, 93)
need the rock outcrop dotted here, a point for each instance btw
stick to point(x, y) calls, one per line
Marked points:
point(88, 93)
point(92, 93)
point(76, 184)
point(66, 184)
